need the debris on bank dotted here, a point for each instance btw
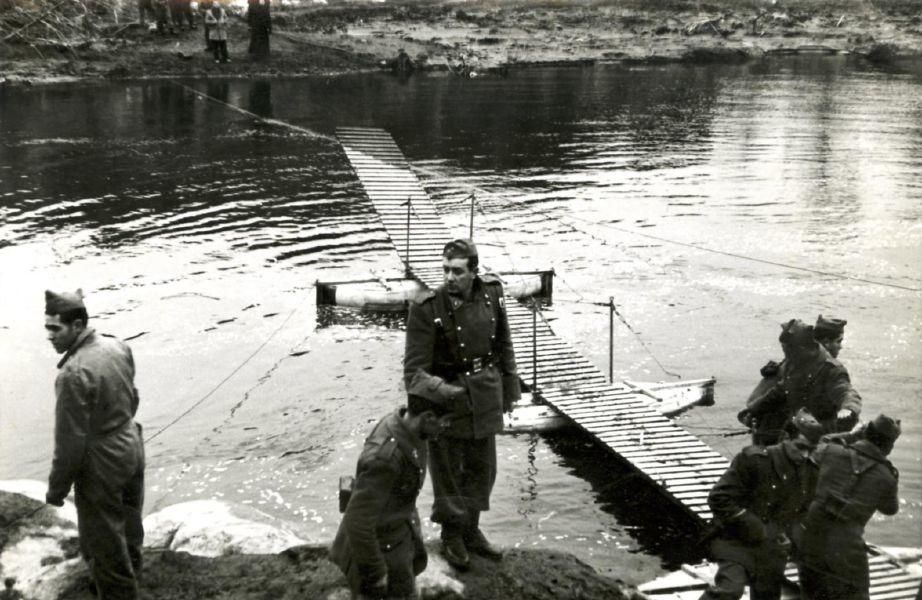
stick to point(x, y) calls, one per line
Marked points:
point(39, 550)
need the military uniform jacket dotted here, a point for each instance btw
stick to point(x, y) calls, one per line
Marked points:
point(823, 387)
point(95, 438)
point(381, 512)
point(854, 482)
point(774, 483)
point(466, 344)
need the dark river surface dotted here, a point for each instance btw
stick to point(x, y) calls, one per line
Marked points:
point(712, 203)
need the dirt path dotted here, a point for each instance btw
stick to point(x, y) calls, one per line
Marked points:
point(486, 38)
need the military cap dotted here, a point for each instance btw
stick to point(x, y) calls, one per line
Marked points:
point(885, 427)
point(460, 248)
point(807, 424)
point(796, 333)
point(828, 327)
point(60, 303)
point(418, 405)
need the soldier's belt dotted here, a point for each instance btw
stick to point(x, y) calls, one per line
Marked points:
point(475, 365)
point(470, 367)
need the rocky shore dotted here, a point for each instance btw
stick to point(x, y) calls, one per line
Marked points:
point(474, 38)
point(209, 549)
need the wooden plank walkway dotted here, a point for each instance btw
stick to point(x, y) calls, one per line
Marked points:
point(620, 419)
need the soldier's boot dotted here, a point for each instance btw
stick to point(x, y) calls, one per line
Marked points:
point(453, 547)
point(476, 542)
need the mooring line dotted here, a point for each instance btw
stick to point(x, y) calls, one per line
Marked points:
point(694, 246)
point(267, 120)
point(223, 381)
point(740, 256)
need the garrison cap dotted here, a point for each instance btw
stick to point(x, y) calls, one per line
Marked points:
point(885, 427)
point(796, 333)
point(418, 405)
point(807, 424)
point(460, 248)
point(829, 327)
point(57, 303)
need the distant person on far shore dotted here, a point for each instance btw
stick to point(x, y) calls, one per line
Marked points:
point(379, 544)
point(204, 6)
point(181, 11)
point(260, 21)
point(216, 18)
point(758, 504)
point(855, 481)
point(164, 18)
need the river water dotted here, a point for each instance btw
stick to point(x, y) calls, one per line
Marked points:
point(711, 202)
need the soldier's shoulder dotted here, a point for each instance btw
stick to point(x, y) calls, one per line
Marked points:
point(423, 298)
point(491, 279)
point(753, 451)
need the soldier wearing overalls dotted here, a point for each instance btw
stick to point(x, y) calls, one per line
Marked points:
point(459, 353)
point(97, 446)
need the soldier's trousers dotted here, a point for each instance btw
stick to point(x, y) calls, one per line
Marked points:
point(817, 584)
point(401, 578)
point(111, 533)
point(760, 567)
point(463, 472)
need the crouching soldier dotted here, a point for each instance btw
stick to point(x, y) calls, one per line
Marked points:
point(97, 445)
point(756, 503)
point(855, 481)
point(379, 544)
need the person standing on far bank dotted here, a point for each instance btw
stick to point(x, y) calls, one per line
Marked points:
point(98, 447)
point(216, 21)
point(459, 354)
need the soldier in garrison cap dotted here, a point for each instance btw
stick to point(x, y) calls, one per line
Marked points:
point(855, 481)
point(97, 445)
point(810, 378)
point(459, 353)
point(379, 545)
point(830, 332)
point(758, 504)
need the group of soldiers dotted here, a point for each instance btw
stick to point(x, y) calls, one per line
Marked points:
point(804, 489)
point(809, 483)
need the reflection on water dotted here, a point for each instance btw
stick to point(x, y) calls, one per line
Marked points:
point(199, 231)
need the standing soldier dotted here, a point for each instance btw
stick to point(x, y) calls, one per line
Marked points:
point(459, 354)
point(810, 379)
point(97, 445)
point(379, 544)
point(757, 503)
point(854, 482)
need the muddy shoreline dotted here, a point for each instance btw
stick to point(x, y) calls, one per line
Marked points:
point(480, 39)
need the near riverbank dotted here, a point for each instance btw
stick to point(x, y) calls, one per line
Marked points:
point(241, 559)
point(465, 37)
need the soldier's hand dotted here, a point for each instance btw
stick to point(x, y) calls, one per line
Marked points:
point(751, 529)
point(49, 499)
point(375, 591)
point(453, 391)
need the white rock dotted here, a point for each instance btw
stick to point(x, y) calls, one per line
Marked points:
point(214, 528)
point(438, 578)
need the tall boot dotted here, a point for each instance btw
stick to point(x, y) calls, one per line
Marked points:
point(453, 546)
point(476, 542)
